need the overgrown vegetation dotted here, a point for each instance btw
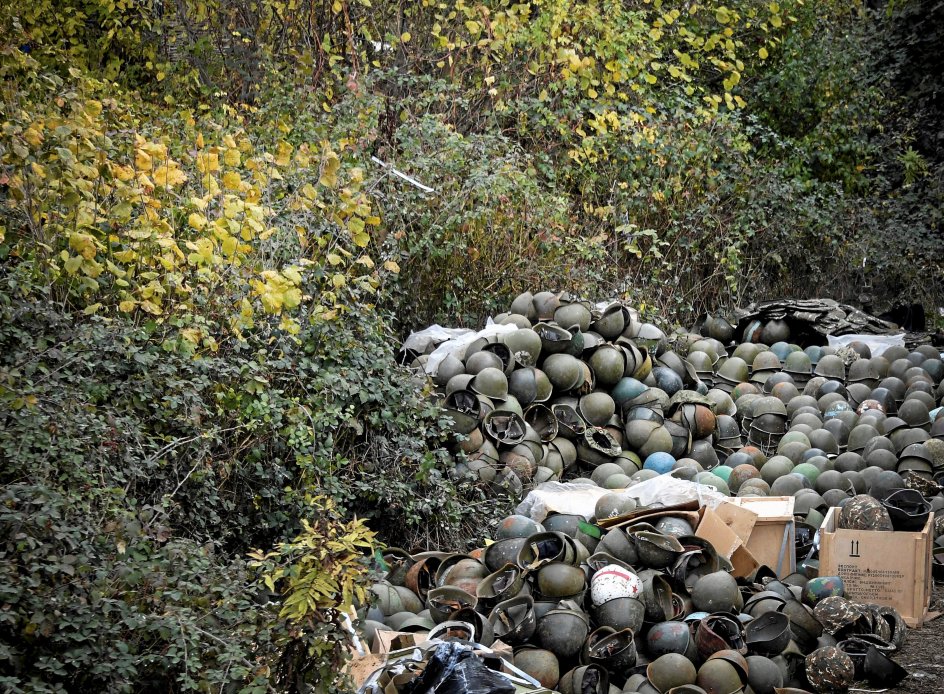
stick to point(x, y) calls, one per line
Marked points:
point(206, 261)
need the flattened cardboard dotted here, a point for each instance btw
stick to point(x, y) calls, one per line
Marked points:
point(886, 568)
point(741, 520)
point(726, 542)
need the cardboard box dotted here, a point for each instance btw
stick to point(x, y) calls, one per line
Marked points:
point(772, 539)
point(386, 640)
point(886, 568)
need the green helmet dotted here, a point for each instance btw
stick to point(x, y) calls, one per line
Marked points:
point(831, 366)
point(613, 504)
point(734, 370)
point(541, 664)
point(490, 382)
point(596, 408)
point(524, 344)
point(545, 304)
point(608, 364)
point(450, 366)
point(524, 305)
point(720, 676)
point(564, 371)
point(558, 580)
point(671, 670)
point(612, 321)
point(766, 361)
point(577, 313)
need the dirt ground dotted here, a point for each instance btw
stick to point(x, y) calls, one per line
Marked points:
point(923, 653)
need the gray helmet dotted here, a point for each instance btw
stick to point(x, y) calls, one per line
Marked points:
point(717, 592)
point(670, 637)
point(563, 630)
point(763, 675)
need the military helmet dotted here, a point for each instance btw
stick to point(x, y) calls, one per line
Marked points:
point(670, 637)
point(608, 364)
point(828, 669)
point(490, 382)
point(798, 363)
point(768, 633)
point(596, 408)
point(830, 366)
point(524, 344)
point(611, 321)
point(670, 670)
point(863, 512)
point(717, 592)
point(763, 675)
point(513, 621)
point(564, 371)
point(915, 413)
point(719, 675)
point(734, 370)
point(863, 371)
point(765, 361)
point(574, 313)
point(540, 663)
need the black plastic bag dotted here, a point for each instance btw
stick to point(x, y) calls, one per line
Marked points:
point(455, 669)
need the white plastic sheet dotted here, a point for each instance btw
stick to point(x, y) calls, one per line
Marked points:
point(457, 340)
point(581, 498)
point(877, 343)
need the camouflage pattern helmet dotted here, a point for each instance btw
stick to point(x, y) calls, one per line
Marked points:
point(829, 670)
point(864, 512)
point(836, 613)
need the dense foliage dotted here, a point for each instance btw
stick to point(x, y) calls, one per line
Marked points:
point(218, 217)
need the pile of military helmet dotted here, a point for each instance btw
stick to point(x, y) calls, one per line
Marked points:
point(642, 606)
point(574, 390)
